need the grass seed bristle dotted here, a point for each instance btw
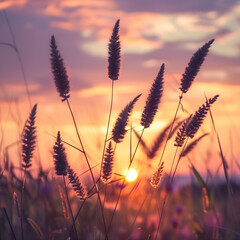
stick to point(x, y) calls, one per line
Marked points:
point(194, 65)
point(60, 158)
point(114, 53)
point(59, 71)
point(153, 100)
point(76, 184)
point(181, 134)
point(119, 129)
point(156, 177)
point(199, 117)
point(107, 166)
point(29, 138)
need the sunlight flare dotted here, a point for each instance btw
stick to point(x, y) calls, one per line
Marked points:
point(132, 175)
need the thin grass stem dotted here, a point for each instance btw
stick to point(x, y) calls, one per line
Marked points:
point(69, 206)
point(174, 173)
point(89, 166)
point(121, 188)
point(22, 197)
point(166, 196)
point(9, 222)
point(171, 128)
point(108, 125)
point(169, 176)
point(19, 57)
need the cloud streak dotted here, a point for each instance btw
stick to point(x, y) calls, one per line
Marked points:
point(143, 32)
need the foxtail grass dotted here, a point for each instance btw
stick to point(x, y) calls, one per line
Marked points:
point(148, 114)
point(60, 157)
point(76, 184)
point(29, 139)
point(114, 49)
point(194, 65)
point(153, 100)
point(156, 177)
point(61, 169)
point(199, 116)
point(119, 129)
point(28, 146)
point(188, 130)
point(187, 79)
point(107, 166)
point(63, 86)
point(114, 57)
point(59, 71)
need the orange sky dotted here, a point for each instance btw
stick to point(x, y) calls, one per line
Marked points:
point(150, 35)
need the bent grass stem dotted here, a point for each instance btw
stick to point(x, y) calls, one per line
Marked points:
point(171, 128)
point(89, 166)
point(169, 181)
point(69, 206)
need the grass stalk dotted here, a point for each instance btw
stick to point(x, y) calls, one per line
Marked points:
point(89, 166)
point(121, 188)
point(9, 222)
point(14, 46)
point(169, 182)
point(69, 206)
point(171, 128)
point(22, 197)
point(108, 126)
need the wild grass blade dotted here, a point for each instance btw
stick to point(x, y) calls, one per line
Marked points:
point(9, 223)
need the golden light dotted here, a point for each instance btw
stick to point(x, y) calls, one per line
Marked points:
point(132, 175)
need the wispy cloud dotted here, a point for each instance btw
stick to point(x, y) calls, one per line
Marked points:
point(143, 32)
point(12, 3)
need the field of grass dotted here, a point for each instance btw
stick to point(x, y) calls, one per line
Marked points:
point(57, 204)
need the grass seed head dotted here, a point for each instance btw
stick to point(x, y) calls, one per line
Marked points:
point(29, 137)
point(156, 177)
point(114, 53)
point(194, 65)
point(153, 100)
point(60, 158)
point(119, 129)
point(76, 184)
point(107, 165)
point(59, 71)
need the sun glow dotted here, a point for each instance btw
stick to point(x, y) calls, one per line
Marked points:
point(132, 175)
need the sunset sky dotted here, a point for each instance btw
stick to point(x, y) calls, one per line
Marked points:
point(151, 33)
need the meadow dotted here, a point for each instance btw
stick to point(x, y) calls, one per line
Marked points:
point(100, 203)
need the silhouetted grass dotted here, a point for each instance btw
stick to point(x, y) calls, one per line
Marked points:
point(155, 206)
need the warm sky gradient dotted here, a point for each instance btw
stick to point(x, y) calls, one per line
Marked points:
point(151, 33)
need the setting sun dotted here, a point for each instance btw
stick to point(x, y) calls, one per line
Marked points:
point(132, 175)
